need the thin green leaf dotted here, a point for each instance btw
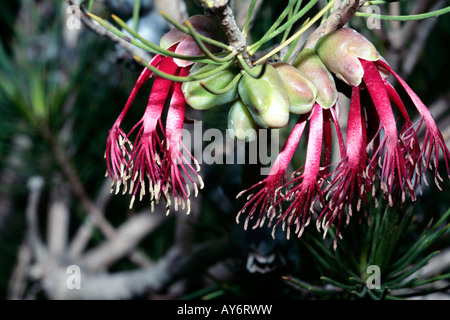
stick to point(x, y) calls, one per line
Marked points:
point(251, 72)
point(89, 7)
point(404, 17)
point(304, 285)
point(248, 18)
point(273, 32)
point(224, 90)
point(202, 37)
point(204, 49)
point(408, 273)
point(171, 77)
point(136, 9)
point(149, 46)
point(300, 31)
point(337, 283)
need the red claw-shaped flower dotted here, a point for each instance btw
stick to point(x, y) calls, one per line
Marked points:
point(307, 185)
point(267, 192)
point(174, 179)
point(373, 135)
point(349, 185)
point(156, 156)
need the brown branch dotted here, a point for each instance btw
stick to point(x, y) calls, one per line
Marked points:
point(342, 13)
point(224, 14)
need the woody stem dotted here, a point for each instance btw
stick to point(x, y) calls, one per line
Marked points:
point(235, 37)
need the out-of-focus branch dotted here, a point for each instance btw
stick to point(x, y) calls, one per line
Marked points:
point(77, 187)
point(128, 236)
point(18, 280)
point(10, 174)
point(423, 30)
point(175, 265)
point(58, 218)
point(35, 185)
point(98, 29)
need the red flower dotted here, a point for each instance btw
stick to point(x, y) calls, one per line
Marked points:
point(372, 134)
point(307, 185)
point(174, 179)
point(156, 154)
point(270, 188)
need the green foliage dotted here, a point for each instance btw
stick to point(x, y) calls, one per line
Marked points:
point(390, 240)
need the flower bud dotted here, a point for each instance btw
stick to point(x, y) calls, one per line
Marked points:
point(313, 69)
point(201, 99)
point(265, 97)
point(206, 26)
point(340, 52)
point(241, 125)
point(302, 93)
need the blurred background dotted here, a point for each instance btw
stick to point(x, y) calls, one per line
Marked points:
point(64, 236)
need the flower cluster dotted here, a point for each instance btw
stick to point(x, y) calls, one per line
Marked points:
point(157, 154)
point(377, 150)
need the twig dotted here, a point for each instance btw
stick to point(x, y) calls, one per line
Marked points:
point(129, 234)
point(236, 39)
point(342, 13)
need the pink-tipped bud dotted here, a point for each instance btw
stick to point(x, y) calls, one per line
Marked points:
point(313, 69)
point(341, 50)
point(302, 92)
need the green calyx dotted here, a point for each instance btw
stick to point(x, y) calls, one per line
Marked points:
point(302, 92)
point(265, 97)
point(241, 125)
point(312, 68)
point(341, 50)
point(217, 89)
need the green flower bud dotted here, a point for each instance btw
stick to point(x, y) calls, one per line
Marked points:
point(302, 92)
point(265, 97)
point(240, 122)
point(313, 69)
point(200, 98)
point(340, 52)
